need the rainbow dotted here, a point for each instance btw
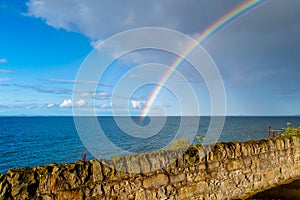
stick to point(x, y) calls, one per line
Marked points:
point(207, 33)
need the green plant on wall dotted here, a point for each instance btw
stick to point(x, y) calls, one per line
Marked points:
point(184, 143)
point(290, 130)
point(200, 139)
point(180, 143)
point(251, 191)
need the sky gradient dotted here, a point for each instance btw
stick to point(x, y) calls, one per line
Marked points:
point(44, 42)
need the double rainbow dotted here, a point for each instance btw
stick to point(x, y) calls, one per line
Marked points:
point(210, 31)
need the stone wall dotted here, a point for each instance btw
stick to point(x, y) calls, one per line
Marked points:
point(227, 171)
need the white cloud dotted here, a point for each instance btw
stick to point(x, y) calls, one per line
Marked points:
point(3, 60)
point(102, 94)
point(136, 104)
point(80, 103)
point(67, 103)
point(106, 106)
point(98, 95)
point(86, 94)
point(50, 105)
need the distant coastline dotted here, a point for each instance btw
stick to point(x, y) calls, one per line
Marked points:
point(241, 115)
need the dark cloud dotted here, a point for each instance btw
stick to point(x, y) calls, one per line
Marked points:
point(99, 19)
point(273, 16)
point(260, 49)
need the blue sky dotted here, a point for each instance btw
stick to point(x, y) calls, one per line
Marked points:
point(44, 42)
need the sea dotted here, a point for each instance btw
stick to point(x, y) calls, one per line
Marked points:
point(36, 141)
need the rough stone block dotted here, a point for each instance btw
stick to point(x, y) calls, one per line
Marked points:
point(154, 160)
point(234, 165)
point(4, 187)
point(213, 165)
point(23, 182)
point(133, 164)
point(72, 194)
point(178, 178)
point(279, 144)
point(97, 171)
point(244, 150)
point(145, 164)
point(97, 190)
point(257, 177)
point(145, 195)
point(264, 165)
point(46, 197)
point(201, 167)
point(119, 163)
point(263, 156)
point(187, 192)
point(156, 181)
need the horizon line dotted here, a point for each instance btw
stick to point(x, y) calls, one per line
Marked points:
point(241, 115)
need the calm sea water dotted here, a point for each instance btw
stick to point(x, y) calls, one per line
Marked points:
point(32, 141)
